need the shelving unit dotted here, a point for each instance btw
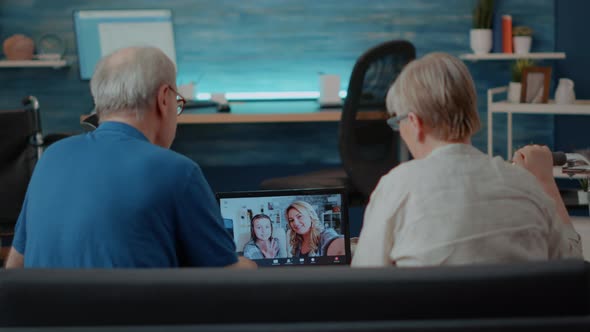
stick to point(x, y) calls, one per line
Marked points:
point(558, 174)
point(513, 56)
point(581, 107)
point(332, 219)
point(33, 64)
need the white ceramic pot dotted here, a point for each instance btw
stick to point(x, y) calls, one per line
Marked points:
point(514, 90)
point(582, 197)
point(188, 90)
point(564, 94)
point(522, 44)
point(480, 40)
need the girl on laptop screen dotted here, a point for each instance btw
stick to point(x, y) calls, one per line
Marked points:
point(262, 244)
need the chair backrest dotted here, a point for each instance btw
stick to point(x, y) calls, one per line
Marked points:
point(557, 291)
point(368, 146)
point(90, 123)
point(19, 132)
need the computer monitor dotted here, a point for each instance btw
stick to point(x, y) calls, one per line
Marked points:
point(100, 32)
point(289, 227)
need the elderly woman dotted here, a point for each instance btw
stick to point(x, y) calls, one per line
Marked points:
point(453, 204)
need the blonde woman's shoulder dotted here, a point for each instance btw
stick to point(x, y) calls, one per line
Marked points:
point(398, 177)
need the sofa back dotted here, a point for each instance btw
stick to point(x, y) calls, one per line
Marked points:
point(308, 295)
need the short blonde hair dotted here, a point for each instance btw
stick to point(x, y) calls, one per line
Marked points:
point(439, 89)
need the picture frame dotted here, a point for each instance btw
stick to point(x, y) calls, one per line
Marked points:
point(535, 85)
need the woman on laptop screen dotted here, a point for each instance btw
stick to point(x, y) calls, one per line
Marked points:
point(262, 244)
point(307, 235)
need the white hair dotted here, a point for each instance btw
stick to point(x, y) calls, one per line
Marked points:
point(439, 89)
point(128, 80)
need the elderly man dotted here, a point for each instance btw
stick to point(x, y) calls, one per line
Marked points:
point(118, 197)
point(454, 204)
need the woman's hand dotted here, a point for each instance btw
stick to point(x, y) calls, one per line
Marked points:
point(536, 159)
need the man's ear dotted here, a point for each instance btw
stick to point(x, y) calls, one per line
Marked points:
point(418, 125)
point(162, 101)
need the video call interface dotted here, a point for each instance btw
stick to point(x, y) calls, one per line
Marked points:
point(291, 230)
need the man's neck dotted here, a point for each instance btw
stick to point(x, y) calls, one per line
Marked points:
point(130, 118)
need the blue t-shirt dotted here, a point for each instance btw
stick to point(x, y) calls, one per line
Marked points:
point(110, 198)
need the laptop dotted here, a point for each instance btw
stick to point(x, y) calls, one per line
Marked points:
point(301, 227)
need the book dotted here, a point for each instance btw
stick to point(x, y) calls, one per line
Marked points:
point(507, 33)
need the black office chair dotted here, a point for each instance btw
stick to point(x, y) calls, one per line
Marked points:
point(21, 145)
point(20, 142)
point(90, 123)
point(368, 146)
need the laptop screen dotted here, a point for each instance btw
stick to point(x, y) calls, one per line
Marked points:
point(288, 227)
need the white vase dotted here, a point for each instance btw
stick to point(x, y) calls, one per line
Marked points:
point(582, 197)
point(564, 94)
point(514, 90)
point(480, 40)
point(522, 44)
point(188, 91)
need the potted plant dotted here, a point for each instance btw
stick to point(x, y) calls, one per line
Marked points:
point(480, 36)
point(515, 86)
point(522, 39)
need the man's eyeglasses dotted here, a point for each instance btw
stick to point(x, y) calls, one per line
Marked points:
point(180, 102)
point(394, 121)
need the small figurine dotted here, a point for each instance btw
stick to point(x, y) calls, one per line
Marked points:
point(18, 47)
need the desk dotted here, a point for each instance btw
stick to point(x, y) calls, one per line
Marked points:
point(319, 116)
point(270, 112)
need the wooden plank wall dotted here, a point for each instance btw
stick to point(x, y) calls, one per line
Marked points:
point(271, 45)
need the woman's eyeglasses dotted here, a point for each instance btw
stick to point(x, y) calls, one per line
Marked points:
point(180, 102)
point(394, 121)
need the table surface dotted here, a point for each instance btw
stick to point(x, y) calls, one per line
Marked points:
point(275, 111)
point(268, 112)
